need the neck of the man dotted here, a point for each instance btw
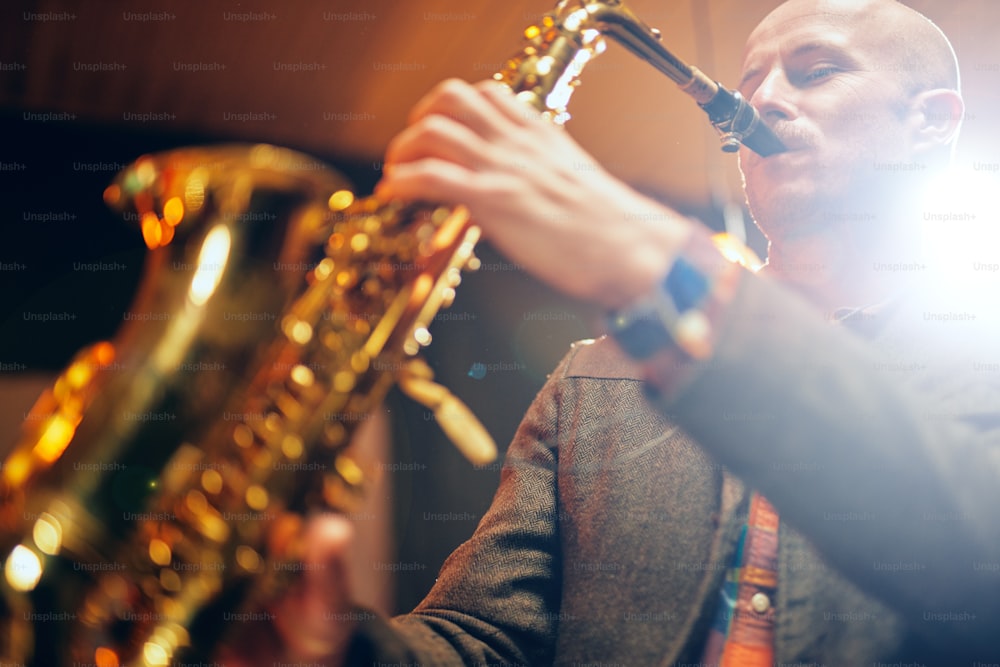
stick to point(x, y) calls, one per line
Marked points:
point(855, 264)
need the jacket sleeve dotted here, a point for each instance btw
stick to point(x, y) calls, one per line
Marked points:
point(497, 597)
point(889, 463)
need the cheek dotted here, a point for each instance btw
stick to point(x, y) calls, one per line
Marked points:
point(864, 128)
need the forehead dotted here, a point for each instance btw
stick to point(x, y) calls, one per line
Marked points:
point(794, 25)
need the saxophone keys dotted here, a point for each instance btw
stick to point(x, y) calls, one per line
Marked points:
point(160, 552)
point(334, 434)
point(302, 375)
point(257, 498)
point(292, 447)
point(349, 470)
point(169, 580)
point(298, 331)
point(344, 381)
point(212, 482)
point(340, 494)
point(248, 559)
point(340, 200)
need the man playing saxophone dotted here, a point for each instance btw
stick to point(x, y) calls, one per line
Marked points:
point(736, 475)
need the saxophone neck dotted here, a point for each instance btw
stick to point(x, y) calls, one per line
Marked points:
point(547, 69)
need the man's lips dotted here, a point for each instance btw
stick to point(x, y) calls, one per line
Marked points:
point(793, 138)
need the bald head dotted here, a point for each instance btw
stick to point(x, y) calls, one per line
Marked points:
point(851, 87)
point(906, 41)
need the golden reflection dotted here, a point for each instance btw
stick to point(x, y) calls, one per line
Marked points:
point(173, 211)
point(211, 263)
point(155, 655)
point(340, 200)
point(151, 231)
point(302, 375)
point(247, 558)
point(257, 498)
point(211, 481)
point(349, 470)
point(159, 552)
point(47, 534)
point(194, 190)
point(58, 433)
point(292, 446)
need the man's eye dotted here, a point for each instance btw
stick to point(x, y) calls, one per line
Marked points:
point(819, 73)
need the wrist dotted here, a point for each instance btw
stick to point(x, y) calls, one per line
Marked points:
point(679, 315)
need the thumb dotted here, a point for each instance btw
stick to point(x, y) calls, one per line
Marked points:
point(313, 619)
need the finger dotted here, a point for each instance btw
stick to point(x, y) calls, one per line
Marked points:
point(328, 537)
point(502, 98)
point(464, 103)
point(437, 180)
point(310, 618)
point(439, 137)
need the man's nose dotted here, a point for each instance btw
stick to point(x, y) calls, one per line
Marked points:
point(774, 98)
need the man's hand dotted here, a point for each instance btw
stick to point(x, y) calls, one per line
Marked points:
point(539, 197)
point(308, 625)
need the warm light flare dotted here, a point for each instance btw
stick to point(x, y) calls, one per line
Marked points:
point(173, 211)
point(23, 569)
point(160, 552)
point(55, 437)
point(79, 374)
point(151, 231)
point(155, 655)
point(302, 375)
point(340, 200)
point(103, 353)
point(211, 264)
point(47, 534)
point(105, 657)
point(736, 251)
point(16, 468)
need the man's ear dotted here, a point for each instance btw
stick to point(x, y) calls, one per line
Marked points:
point(938, 115)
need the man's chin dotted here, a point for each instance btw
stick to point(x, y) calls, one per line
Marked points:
point(789, 210)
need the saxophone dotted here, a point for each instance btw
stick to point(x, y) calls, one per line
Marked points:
point(163, 478)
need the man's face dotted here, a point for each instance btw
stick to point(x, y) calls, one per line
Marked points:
point(822, 74)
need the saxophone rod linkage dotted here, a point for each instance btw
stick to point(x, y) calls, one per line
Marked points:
point(732, 115)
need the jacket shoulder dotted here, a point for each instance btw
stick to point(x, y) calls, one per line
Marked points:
point(600, 358)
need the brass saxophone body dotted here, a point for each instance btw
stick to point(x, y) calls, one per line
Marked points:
point(158, 483)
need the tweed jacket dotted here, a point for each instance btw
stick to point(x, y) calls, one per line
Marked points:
point(618, 509)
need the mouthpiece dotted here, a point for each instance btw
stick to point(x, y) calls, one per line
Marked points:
point(735, 119)
point(739, 123)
